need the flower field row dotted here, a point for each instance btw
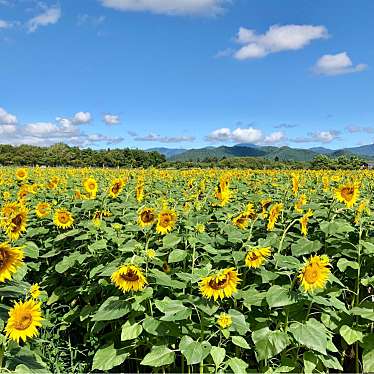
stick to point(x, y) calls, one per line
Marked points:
point(186, 271)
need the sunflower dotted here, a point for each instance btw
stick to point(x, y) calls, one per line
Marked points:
point(6, 195)
point(99, 215)
point(129, 278)
point(224, 320)
point(222, 284)
point(116, 187)
point(139, 192)
point(24, 318)
point(42, 210)
point(241, 221)
point(21, 174)
point(200, 228)
point(362, 208)
point(299, 203)
point(16, 223)
point(295, 184)
point(265, 203)
point(348, 194)
point(63, 219)
point(150, 253)
point(6, 212)
point(257, 256)
point(146, 217)
point(274, 212)
point(35, 291)
point(304, 222)
point(166, 220)
point(91, 187)
point(314, 273)
point(10, 260)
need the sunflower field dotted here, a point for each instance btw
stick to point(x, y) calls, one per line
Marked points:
point(131, 270)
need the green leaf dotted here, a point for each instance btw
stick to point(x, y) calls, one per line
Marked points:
point(99, 244)
point(287, 262)
point(237, 365)
point(339, 226)
point(218, 354)
point(351, 335)
point(174, 310)
point(69, 261)
point(31, 250)
point(108, 357)
point(310, 361)
point(130, 331)
point(171, 240)
point(112, 308)
point(159, 356)
point(312, 334)
point(177, 255)
point(277, 296)
point(240, 342)
point(238, 322)
point(272, 343)
point(194, 352)
point(368, 247)
point(343, 263)
point(304, 247)
point(67, 234)
point(367, 313)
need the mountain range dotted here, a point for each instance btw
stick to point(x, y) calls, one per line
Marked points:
point(269, 152)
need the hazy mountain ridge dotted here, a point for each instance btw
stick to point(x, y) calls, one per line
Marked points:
point(284, 153)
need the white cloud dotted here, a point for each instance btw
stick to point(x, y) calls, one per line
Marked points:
point(81, 118)
point(86, 19)
point(276, 39)
point(169, 7)
point(111, 119)
point(162, 139)
point(358, 129)
point(7, 129)
point(249, 135)
point(275, 137)
point(326, 136)
point(49, 17)
point(41, 129)
point(4, 24)
point(7, 118)
point(337, 64)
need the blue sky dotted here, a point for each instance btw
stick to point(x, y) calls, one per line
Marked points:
point(187, 73)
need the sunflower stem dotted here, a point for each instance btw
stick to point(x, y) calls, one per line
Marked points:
point(282, 239)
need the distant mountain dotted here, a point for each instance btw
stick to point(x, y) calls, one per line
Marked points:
point(268, 152)
point(322, 150)
point(167, 152)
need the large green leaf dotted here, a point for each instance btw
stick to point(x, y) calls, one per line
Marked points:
point(237, 365)
point(351, 335)
point(240, 342)
point(159, 356)
point(174, 310)
point(131, 331)
point(194, 352)
point(112, 308)
point(270, 343)
point(107, 358)
point(312, 334)
point(278, 296)
point(218, 354)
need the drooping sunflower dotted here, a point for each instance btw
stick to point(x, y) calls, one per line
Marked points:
point(241, 221)
point(361, 209)
point(314, 273)
point(24, 319)
point(348, 193)
point(63, 219)
point(146, 217)
point(265, 203)
point(224, 320)
point(220, 285)
point(35, 291)
point(16, 224)
point(274, 212)
point(300, 202)
point(295, 184)
point(91, 187)
point(304, 222)
point(42, 209)
point(257, 256)
point(99, 215)
point(166, 220)
point(21, 174)
point(129, 278)
point(116, 187)
point(10, 260)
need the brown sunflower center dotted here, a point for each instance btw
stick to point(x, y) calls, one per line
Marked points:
point(91, 186)
point(23, 322)
point(116, 187)
point(311, 274)
point(217, 285)
point(4, 256)
point(17, 220)
point(63, 217)
point(347, 193)
point(253, 256)
point(147, 216)
point(130, 276)
point(165, 220)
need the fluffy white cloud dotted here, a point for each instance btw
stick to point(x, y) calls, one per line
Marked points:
point(245, 135)
point(276, 39)
point(7, 129)
point(41, 129)
point(337, 64)
point(326, 136)
point(111, 119)
point(162, 139)
point(7, 118)
point(50, 16)
point(169, 7)
point(81, 118)
point(4, 24)
point(275, 137)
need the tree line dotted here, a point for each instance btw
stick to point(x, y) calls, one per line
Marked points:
point(64, 155)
